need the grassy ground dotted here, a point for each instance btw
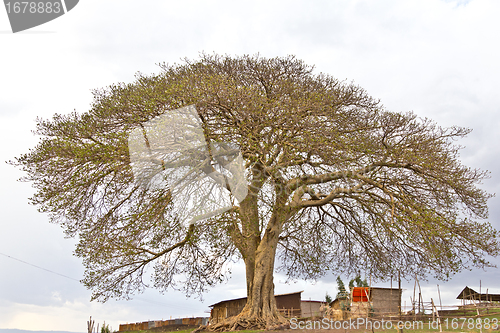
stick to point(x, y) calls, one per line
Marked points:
point(456, 323)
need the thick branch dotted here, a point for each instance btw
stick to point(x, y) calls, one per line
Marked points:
point(296, 183)
point(297, 203)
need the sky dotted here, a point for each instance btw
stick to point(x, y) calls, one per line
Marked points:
point(436, 58)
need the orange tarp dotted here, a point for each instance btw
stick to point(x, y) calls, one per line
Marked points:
point(359, 294)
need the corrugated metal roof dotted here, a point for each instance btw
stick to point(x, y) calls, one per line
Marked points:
point(237, 299)
point(471, 294)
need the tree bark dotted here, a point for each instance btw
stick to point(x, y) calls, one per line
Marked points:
point(260, 311)
point(260, 287)
point(258, 252)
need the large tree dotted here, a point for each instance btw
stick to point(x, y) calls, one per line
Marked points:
point(331, 181)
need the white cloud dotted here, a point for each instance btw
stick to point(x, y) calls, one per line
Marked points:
point(69, 316)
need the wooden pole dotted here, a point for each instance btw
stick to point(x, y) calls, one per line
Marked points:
point(478, 316)
point(437, 315)
point(90, 325)
point(390, 304)
point(439, 293)
point(419, 295)
point(433, 313)
point(413, 301)
point(369, 301)
point(420, 301)
point(487, 302)
point(399, 291)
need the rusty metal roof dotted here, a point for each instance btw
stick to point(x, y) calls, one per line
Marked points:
point(237, 299)
point(471, 294)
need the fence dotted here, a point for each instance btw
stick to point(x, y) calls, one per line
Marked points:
point(289, 313)
point(160, 323)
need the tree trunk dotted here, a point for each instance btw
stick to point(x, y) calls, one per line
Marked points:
point(260, 287)
point(260, 311)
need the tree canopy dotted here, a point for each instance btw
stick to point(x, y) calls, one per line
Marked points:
point(332, 182)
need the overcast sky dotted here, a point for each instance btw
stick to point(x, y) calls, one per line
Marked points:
point(437, 58)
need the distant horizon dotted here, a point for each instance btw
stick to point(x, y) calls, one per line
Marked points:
point(10, 330)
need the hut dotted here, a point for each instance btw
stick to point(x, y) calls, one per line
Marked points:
point(360, 302)
point(468, 294)
point(311, 309)
point(370, 301)
point(386, 301)
point(288, 304)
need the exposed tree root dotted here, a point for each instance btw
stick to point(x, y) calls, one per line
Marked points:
point(248, 323)
point(202, 328)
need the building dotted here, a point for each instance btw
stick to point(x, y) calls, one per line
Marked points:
point(311, 309)
point(468, 294)
point(386, 301)
point(361, 306)
point(288, 304)
point(370, 301)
